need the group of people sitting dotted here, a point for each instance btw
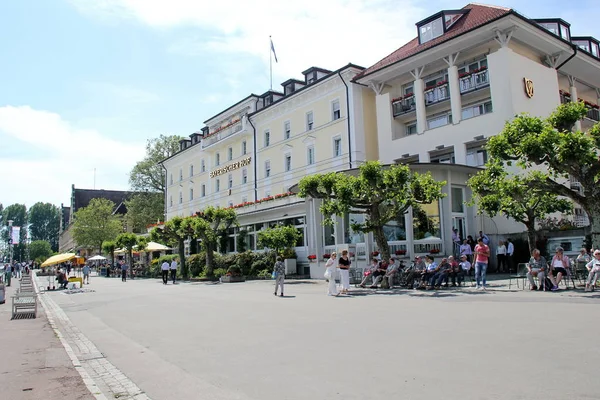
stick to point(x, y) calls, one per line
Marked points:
point(550, 274)
point(424, 273)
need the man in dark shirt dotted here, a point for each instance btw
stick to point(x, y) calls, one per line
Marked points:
point(414, 272)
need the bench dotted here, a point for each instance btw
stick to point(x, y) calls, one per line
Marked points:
point(24, 303)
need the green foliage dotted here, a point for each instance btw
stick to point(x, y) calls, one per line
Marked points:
point(209, 225)
point(218, 272)
point(278, 238)
point(129, 241)
point(144, 209)
point(234, 270)
point(518, 196)
point(109, 247)
point(381, 193)
point(196, 263)
point(95, 224)
point(265, 274)
point(288, 253)
point(148, 174)
point(241, 241)
point(530, 141)
point(157, 263)
point(39, 250)
point(44, 223)
point(174, 234)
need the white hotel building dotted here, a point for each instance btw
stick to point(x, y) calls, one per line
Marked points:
point(432, 104)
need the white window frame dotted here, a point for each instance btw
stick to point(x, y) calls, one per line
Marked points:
point(310, 155)
point(180, 174)
point(287, 130)
point(408, 126)
point(476, 156)
point(203, 190)
point(447, 118)
point(244, 147)
point(267, 168)
point(191, 194)
point(244, 199)
point(336, 112)
point(217, 159)
point(287, 167)
point(202, 166)
point(267, 138)
point(477, 109)
point(171, 179)
point(191, 170)
point(180, 197)
point(171, 201)
point(337, 152)
point(230, 153)
point(310, 121)
point(217, 185)
point(244, 176)
point(230, 181)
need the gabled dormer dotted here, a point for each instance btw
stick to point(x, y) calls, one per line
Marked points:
point(205, 131)
point(588, 44)
point(269, 98)
point(292, 85)
point(195, 137)
point(313, 74)
point(438, 24)
point(557, 26)
point(184, 144)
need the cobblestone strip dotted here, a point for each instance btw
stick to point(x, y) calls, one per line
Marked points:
point(96, 371)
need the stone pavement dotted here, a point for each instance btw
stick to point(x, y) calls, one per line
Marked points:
point(237, 341)
point(34, 363)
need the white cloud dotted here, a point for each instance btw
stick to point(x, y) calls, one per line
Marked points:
point(305, 33)
point(124, 93)
point(69, 156)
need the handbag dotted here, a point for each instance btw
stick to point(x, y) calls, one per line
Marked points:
point(274, 275)
point(327, 274)
point(368, 272)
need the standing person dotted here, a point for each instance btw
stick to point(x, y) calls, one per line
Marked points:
point(344, 265)
point(510, 250)
point(482, 256)
point(501, 256)
point(456, 240)
point(165, 272)
point(124, 268)
point(173, 269)
point(331, 271)
point(465, 249)
point(486, 239)
point(279, 272)
point(471, 243)
point(86, 274)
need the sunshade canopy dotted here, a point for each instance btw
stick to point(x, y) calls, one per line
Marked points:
point(57, 259)
point(153, 246)
point(96, 258)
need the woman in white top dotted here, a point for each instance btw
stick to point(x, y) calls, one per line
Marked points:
point(559, 265)
point(501, 256)
point(331, 270)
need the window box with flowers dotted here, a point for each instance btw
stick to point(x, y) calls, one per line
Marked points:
point(400, 252)
point(375, 254)
point(434, 251)
point(312, 257)
point(326, 256)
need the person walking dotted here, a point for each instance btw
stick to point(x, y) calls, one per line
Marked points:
point(173, 269)
point(510, 250)
point(330, 272)
point(279, 272)
point(124, 268)
point(165, 272)
point(344, 265)
point(86, 274)
point(482, 256)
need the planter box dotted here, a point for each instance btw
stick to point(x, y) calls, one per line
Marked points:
point(290, 266)
point(232, 279)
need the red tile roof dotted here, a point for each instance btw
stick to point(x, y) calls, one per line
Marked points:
point(477, 16)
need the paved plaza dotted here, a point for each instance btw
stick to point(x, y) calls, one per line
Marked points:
point(142, 339)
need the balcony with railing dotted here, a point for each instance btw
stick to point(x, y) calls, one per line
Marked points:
point(437, 94)
point(474, 80)
point(403, 105)
point(593, 113)
point(222, 133)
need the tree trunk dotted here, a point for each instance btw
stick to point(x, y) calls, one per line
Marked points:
point(209, 258)
point(382, 243)
point(181, 250)
point(595, 225)
point(531, 236)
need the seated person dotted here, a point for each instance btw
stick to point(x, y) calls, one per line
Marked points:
point(430, 270)
point(559, 266)
point(464, 268)
point(62, 279)
point(369, 273)
point(441, 274)
point(594, 272)
point(537, 266)
point(452, 272)
point(389, 273)
point(583, 256)
point(378, 274)
point(414, 272)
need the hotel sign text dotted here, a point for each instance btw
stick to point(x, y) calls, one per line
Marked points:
point(230, 167)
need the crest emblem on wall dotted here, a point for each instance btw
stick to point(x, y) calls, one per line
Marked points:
point(528, 84)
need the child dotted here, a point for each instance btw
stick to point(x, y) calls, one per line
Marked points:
point(279, 272)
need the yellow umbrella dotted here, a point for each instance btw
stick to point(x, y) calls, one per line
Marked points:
point(57, 259)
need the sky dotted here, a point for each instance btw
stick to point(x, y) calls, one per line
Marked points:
point(84, 83)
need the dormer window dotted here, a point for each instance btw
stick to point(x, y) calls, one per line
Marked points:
point(311, 78)
point(556, 26)
point(268, 100)
point(438, 24)
point(587, 44)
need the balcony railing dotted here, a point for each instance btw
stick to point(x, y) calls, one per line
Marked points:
point(437, 94)
point(565, 97)
point(404, 106)
point(593, 114)
point(222, 134)
point(474, 81)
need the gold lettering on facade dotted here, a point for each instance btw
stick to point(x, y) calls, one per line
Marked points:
point(528, 84)
point(230, 167)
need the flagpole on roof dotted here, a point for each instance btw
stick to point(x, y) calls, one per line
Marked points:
point(271, 62)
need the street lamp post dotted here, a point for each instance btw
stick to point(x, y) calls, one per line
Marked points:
point(10, 244)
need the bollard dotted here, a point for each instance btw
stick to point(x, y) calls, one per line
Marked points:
point(2, 293)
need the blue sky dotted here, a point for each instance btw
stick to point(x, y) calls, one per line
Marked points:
point(84, 83)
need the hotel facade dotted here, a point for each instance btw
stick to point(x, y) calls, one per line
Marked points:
point(431, 104)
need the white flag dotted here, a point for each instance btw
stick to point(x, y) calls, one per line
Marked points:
point(16, 233)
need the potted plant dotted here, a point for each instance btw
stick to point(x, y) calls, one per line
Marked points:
point(326, 256)
point(434, 251)
point(400, 252)
point(312, 257)
point(234, 274)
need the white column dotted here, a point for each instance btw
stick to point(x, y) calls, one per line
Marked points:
point(408, 224)
point(454, 88)
point(418, 87)
point(573, 91)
